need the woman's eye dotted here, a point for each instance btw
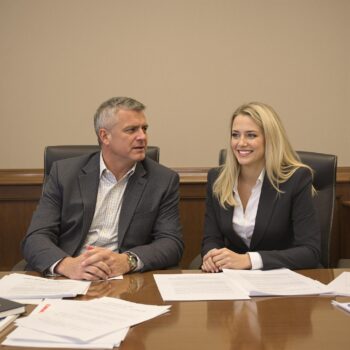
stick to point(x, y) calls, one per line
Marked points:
point(251, 136)
point(235, 135)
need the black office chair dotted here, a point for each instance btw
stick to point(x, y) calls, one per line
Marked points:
point(325, 170)
point(54, 153)
point(324, 167)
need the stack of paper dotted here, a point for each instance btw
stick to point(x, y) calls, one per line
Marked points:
point(99, 323)
point(280, 282)
point(236, 285)
point(9, 311)
point(20, 286)
point(5, 321)
point(9, 307)
point(341, 284)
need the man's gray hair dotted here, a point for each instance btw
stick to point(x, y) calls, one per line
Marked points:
point(104, 116)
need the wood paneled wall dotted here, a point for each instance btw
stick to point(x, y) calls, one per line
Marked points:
point(20, 191)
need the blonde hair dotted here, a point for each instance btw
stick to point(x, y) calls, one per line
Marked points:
point(281, 161)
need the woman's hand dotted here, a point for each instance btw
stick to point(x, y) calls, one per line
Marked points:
point(217, 259)
point(208, 265)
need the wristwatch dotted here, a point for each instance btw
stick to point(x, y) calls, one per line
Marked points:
point(132, 261)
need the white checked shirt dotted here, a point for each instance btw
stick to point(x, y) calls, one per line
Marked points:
point(244, 221)
point(103, 231)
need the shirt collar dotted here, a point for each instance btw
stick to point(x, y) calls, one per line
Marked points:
point(104, 168)
point(259, 180)
point(261, 176)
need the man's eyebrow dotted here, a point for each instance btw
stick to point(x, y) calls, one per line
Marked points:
point(135, 126)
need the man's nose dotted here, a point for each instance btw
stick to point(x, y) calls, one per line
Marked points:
point(141, 135)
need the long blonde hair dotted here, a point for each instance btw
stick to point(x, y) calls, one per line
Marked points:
point(281, 161)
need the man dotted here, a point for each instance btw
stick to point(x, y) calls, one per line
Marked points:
point(110, 212)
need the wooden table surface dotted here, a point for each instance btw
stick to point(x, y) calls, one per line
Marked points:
point(280, 323)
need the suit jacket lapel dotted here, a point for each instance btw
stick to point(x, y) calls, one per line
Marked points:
point(226, 219)
point(131, 198)
point(227, 227)
point(88, 182)
point(267, 202)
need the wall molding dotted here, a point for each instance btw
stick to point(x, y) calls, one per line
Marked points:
point(195, 174)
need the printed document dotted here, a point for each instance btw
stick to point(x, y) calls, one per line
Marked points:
point(280, 282)
point(83, 321)
point(27, 337)
point(20, 286)
point(204, 286)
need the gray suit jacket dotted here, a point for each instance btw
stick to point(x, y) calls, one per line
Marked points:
point(286, 232)
point(149, 224)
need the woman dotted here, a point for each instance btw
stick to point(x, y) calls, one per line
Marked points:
point(259, 209)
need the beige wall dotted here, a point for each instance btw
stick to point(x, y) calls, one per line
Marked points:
point(192, 62)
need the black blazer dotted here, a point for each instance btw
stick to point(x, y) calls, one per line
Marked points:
point(149, 222)
point(286, 232)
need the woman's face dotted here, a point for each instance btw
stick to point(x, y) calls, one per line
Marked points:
point(247, 142)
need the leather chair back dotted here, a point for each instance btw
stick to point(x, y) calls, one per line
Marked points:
point(324, 167)
point(54, 153)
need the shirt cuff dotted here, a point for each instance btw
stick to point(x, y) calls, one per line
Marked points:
point(51, 270)
point(140, 264)
point(256, 260)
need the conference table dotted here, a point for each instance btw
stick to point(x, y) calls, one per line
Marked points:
point(278, 323)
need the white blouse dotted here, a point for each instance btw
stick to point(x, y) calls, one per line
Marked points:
point(243, 222)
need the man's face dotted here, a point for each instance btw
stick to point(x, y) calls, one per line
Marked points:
point(126, 140)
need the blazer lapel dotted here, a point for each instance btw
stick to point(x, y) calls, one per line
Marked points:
point(88, 182)
point(226, 219)
point(132, 196)
point(267, 202)
point(227, 227)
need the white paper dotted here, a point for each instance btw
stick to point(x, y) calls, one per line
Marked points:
point(343, 306)
point(341, 284)
point(126, 313)
point(37, 344)
point(84, 321)
point(5, 321)
point(29, 301)
point(20, 286)
point(28, 337)
point(206, 286)
point(25, 337)
point(120, 277)
point(280, 282)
